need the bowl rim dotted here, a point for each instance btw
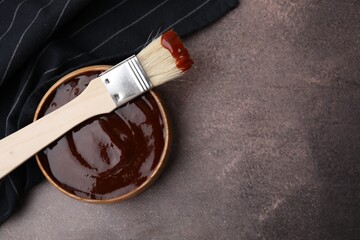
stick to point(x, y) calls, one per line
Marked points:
point(156, 172)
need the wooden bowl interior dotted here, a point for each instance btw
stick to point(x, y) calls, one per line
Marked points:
point(150, 179)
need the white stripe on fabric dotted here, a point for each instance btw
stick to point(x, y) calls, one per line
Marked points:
point(189, 14)
point(27, 80)
point(13, 19)
point(79, 30)
point(108, 39)
point(130, 25)
point(22, 36)
point(173, 24)
point(58, 20)
point(76, 32)
point(95, 19)
point(13, 185)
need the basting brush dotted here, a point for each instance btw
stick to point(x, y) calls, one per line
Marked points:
point(163, 60)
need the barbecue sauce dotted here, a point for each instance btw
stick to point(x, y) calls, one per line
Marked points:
point(172, 42)
point(108, 155)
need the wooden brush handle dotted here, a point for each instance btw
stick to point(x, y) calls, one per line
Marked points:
point(21, 145)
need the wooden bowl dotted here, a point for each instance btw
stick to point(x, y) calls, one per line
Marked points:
point(155, 171)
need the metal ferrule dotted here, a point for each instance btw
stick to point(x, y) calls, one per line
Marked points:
point(126, 80)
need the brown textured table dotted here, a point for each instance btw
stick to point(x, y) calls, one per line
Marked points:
point(266, 138)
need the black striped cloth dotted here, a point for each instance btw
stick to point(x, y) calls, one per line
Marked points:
point(41, 40)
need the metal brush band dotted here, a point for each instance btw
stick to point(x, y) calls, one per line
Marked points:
point(126, 80)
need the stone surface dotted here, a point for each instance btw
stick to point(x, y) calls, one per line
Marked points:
point(266, 138)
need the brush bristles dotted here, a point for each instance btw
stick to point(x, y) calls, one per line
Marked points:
point(159, 63)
